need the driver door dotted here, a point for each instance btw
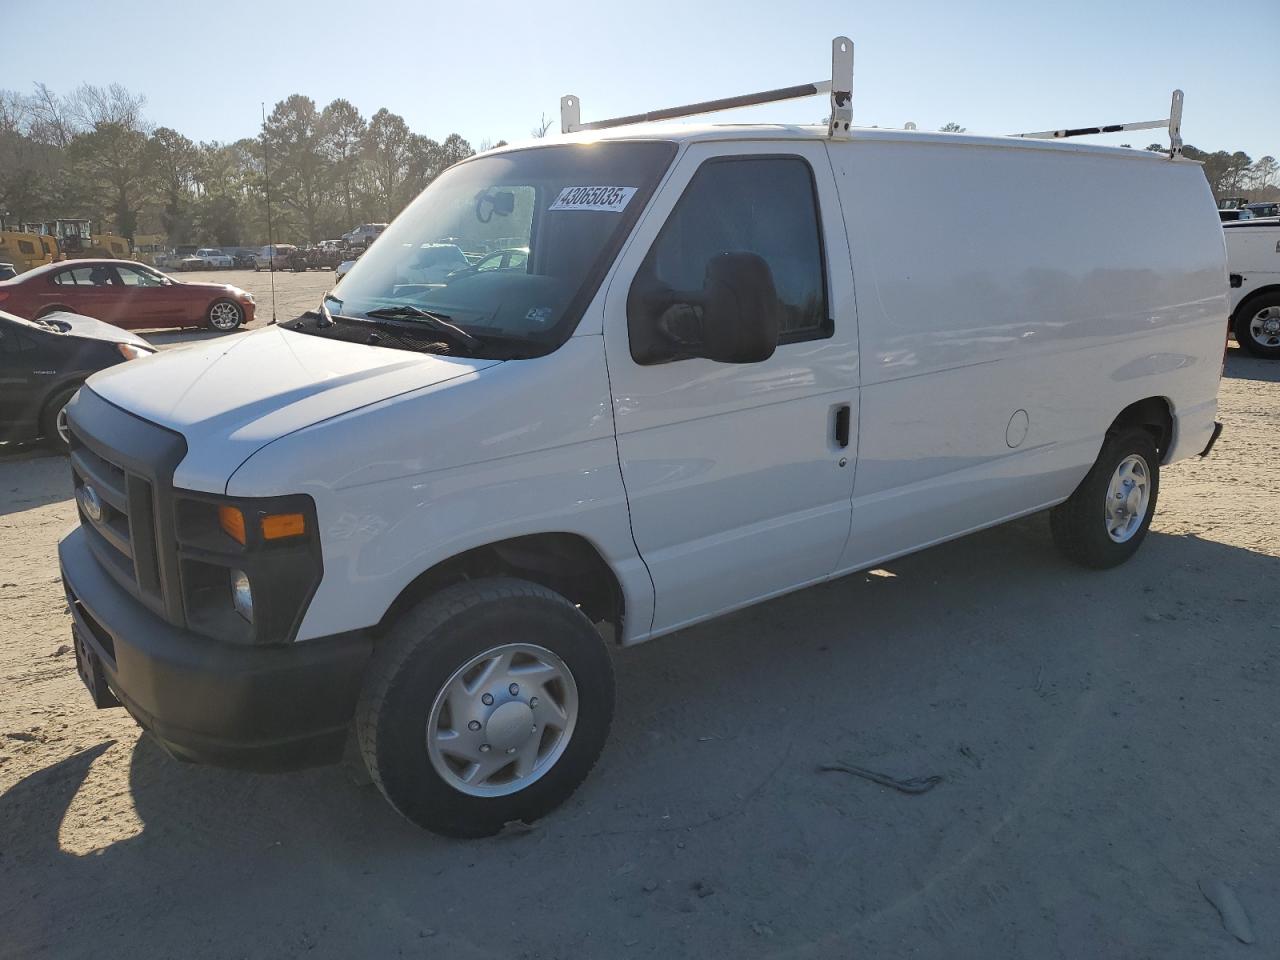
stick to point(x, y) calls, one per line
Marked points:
point(143, 298)
point(739, 477)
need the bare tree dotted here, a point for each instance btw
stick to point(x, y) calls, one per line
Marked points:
point(50, 121)
point(541, 129)
point(90, 106)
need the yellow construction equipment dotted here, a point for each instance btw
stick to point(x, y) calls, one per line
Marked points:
point(74, 238)
point(26, 250)
point(147, 245)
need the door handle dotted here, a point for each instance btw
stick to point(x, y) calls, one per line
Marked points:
point(842, 426)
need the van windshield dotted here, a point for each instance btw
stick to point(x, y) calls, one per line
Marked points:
point(509, 247)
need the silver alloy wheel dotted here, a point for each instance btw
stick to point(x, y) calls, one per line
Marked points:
point(1128, 496)
point(60, 423)
point(502, 720)
point(1264, 328)
point(225, 315)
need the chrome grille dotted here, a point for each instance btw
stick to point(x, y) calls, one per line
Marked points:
point(128, 465)
point(124, 531)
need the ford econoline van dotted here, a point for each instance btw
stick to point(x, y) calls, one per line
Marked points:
point(736, 361)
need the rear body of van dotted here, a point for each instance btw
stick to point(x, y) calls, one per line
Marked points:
point(737, 361)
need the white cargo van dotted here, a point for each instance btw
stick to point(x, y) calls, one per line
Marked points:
point(1253, 257)
point(738, 361)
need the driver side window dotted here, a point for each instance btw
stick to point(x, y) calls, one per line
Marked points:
point(761, 205)
point(137, 278)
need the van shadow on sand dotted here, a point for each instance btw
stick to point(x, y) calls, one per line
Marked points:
point(1074, 717)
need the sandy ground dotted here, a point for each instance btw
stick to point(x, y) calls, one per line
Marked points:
point(1106, 742)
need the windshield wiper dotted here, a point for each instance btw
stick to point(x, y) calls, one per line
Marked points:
point(435, 321)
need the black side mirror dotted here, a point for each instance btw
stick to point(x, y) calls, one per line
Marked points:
point(735, 318)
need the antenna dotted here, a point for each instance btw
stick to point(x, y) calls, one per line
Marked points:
point(271, 247)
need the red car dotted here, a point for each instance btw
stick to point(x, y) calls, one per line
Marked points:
point(125, 294)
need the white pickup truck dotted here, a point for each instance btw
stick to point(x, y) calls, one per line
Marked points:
point(1253, 259)
point(738, 361)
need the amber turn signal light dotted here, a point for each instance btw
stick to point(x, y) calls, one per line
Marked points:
point(232, 522)
point(277, 526)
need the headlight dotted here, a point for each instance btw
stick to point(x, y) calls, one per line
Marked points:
point(131, 351)
point(248, 565)
point(242, 594)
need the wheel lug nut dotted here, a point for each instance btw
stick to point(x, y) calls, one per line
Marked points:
point(484, 748)
point(511, 749)
point(487, 699)
point(533, 701)
point(514, 689)
point(473, 725)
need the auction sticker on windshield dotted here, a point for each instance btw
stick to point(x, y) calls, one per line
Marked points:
point(610, 199)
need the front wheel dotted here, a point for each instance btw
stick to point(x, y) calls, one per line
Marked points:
point(53, 421)
point(225, 315)
point(1104, 522)
point(1257, 326)
point(489, 702)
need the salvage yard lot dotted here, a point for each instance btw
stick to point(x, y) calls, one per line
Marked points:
point(1105, 742)
point(295, 293)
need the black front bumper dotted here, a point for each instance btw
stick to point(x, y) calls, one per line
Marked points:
point(254, 707)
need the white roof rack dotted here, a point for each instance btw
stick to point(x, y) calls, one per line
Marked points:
point(1174, 123)
point(840, 86)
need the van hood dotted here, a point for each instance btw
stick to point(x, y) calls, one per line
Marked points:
point(231, 396)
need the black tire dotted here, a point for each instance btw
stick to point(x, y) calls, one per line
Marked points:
point(1078, 524)
point(1269, 347)
point(221, 325)
point(424, 649)
point(49, 431)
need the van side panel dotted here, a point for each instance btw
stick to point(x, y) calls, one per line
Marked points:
point(993, 280)
point(395, 494)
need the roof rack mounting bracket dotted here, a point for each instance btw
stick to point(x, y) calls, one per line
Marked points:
point(841, 123)
point(840, 86)
point(1174, 123)
point(1175, 126)
point(570, 113)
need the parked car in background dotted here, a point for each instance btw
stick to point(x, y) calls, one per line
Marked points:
point(342, 269)
point(1271, 209)
point(125, 293)
point(208, 258)
point(244, 259)
point(274, 256)
point(434, 263)
point(7, 270)
point(43, 363)
point(1234, 214)
point(1253, 265)
point(513, 258)
point(364, 234)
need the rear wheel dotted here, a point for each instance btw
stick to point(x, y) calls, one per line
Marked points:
point(1107, 518)
point(53, 420)
point(489, 702)
point(1257, 326)
point(225, 315)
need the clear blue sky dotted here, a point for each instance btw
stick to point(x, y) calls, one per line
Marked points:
point(488, 70)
